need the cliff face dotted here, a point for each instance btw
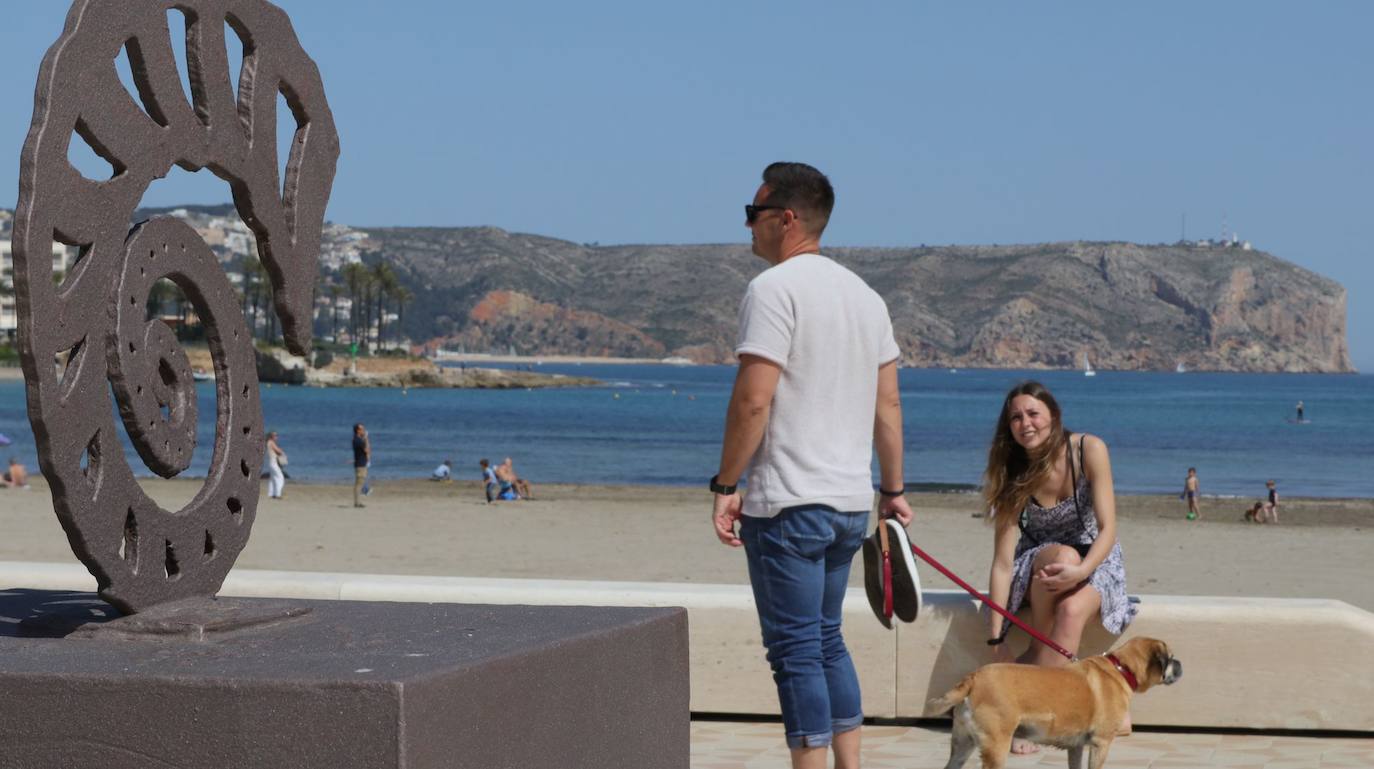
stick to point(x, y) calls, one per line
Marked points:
point(1125, 306)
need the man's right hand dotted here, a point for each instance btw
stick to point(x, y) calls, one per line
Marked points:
point(895, 507)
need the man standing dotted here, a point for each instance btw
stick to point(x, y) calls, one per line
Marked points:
point(362, 459)
point(815, 390)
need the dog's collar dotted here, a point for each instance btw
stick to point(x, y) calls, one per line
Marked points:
point(1124, 671)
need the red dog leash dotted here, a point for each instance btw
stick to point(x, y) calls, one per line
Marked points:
point(974, 592)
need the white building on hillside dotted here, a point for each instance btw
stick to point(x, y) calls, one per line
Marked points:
point(9, 320)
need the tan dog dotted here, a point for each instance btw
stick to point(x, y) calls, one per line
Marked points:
point(1076, 706)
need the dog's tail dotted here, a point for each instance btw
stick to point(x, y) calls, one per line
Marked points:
point(946, 702)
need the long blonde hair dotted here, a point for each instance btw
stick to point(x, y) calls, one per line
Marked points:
point(1013, 472)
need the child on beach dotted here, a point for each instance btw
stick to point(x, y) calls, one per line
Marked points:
point(1190, 492)
point(489, 479)
point(16, 477)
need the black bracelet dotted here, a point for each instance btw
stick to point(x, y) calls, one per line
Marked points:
point(720, 488)
point(996, 641)
point(897, 493)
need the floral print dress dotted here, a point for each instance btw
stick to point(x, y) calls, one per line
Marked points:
point(1071, 522)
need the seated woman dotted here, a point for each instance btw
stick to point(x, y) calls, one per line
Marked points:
point(1053, 510)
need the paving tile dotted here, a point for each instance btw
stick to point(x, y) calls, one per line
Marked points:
point(746, 745)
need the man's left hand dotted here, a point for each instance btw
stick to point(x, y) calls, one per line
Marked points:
point(726, 512)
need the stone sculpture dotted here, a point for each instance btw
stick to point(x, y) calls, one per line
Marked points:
point(87, 338)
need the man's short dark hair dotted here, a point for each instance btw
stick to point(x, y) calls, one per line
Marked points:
point(803, 189)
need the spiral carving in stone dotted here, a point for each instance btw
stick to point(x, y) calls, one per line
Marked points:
point(87, 348)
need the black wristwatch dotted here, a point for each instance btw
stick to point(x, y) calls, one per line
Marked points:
point(721, 489)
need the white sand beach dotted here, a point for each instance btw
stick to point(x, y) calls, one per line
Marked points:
point(645, 533)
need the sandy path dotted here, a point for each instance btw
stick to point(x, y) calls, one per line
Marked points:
point(663, 534)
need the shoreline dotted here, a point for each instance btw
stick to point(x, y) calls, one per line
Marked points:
point(951, 490)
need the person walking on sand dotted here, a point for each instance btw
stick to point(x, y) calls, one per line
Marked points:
point(1270, 512)
point(276, 479)
point(362, 459)
point(1061, 554)
point(815, 390)
point(1190, 492)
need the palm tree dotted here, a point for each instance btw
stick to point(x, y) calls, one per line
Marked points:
point(355, 275)
point(385, 279)
point(253, 280)
point(334, 292)
point(402, 295)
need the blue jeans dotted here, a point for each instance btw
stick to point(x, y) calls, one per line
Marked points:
point(799, 568)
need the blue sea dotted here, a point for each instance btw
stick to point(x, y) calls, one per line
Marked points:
point(662, 424)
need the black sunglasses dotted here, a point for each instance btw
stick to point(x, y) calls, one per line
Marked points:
point(751, 212)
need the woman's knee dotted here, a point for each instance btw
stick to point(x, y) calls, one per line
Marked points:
point(1056, 554)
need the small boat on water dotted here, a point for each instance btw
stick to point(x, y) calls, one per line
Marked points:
point(201, 375)
point(677, 360)
point(1180, 368)
point(1087, 367)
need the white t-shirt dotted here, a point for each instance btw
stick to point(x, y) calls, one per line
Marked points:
point(829, 332)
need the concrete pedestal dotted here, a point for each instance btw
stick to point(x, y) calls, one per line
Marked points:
point(346, 684)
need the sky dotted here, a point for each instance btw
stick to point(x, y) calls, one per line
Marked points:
point(939, 123)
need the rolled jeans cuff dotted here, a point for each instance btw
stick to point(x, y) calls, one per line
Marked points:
point(837, 726)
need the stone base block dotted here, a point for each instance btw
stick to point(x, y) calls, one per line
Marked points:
point(346, 684)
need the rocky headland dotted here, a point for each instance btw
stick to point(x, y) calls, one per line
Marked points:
point(1202, 306)
point(1125, 306)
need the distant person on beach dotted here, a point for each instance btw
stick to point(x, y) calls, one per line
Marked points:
point(1190, 492)
point(362, 460)
point(16, 477)
point(1270, 512)
point(276, 479)
point(1254, 512)
point(505, 475)
point(489, 479)
point(444, 472)
point(816, 388)
point(522, 486)
point(1053, 509)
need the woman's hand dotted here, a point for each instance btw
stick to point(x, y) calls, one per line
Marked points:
point(1058, 577)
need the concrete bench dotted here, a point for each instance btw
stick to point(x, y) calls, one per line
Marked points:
point(1258, 663)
